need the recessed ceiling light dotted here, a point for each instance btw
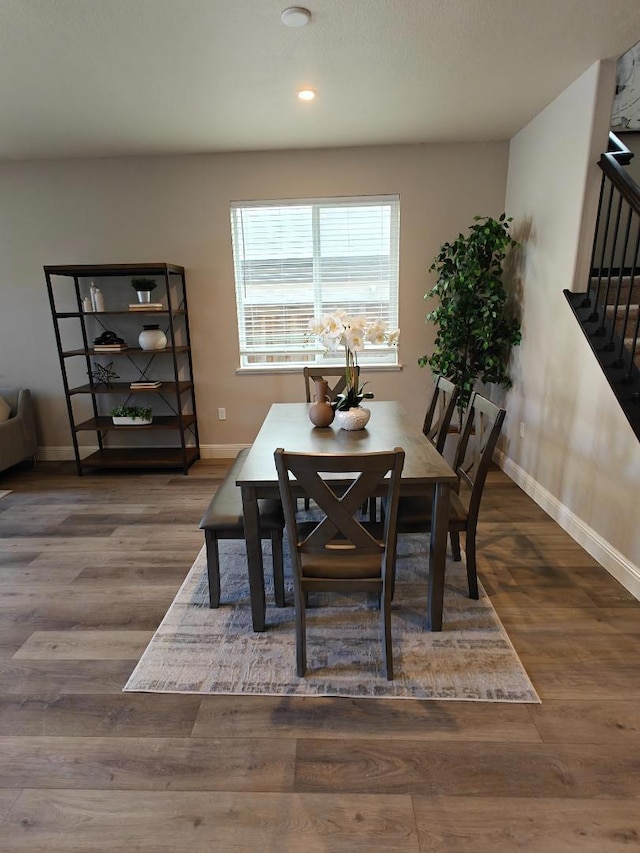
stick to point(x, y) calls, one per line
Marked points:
point(306, 94)
point(295, 16)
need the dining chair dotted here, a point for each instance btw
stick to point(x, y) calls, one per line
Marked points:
point(477, 441)
point(311, 374)
point(341, 552)
point(440, 412)
point(337, 374)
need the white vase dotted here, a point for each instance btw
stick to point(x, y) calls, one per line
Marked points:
point(152, 337)
point(352, 419)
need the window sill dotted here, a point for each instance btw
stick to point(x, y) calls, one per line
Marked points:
point(297, 369)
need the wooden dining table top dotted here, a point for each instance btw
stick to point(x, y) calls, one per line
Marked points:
point(287, 425)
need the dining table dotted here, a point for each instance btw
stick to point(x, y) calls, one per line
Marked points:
point(287, 425)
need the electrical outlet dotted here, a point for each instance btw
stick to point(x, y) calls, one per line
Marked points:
point(521, 429)
point(222, 414)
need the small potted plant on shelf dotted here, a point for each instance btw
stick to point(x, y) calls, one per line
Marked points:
point(131, 415)
point(143, 287)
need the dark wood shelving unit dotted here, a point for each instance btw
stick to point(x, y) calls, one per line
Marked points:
point(171, 440)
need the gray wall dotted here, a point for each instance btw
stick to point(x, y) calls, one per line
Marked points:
point(176, 209)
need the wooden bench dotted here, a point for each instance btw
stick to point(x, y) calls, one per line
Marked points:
point(224, 520)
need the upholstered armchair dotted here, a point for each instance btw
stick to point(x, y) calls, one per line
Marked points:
point(18, 432)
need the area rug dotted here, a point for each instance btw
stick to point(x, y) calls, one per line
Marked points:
point(4, 493)
point(204, 651)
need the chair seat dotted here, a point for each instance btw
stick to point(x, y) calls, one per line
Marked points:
point(415, 512)
point(347, 566)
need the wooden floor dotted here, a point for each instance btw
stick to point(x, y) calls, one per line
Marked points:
point(88, 567)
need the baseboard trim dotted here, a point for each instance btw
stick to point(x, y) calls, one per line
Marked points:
point(221, 451)
point(622, 569)
point(62, 454)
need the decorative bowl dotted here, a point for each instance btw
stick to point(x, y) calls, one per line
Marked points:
point(352, 419)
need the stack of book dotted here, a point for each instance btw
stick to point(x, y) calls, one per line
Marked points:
point(109, 347)
point(146, 306)
point(144, 385)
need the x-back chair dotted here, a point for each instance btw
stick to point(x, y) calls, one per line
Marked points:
point(440, 412)
point(480, 432)
point(340, 552)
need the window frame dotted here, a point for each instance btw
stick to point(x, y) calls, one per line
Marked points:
point(313, 353)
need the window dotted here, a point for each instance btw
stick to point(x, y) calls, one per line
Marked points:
point(295, 260)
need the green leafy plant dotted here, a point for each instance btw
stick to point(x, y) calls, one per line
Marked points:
point(143, 283)
point(353, 397)
point(142, 412)
point(476, 329)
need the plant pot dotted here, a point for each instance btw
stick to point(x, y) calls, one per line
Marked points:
point(144, 295)
point(352, 419)
point(124, 421)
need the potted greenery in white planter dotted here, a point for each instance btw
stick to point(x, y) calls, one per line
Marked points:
point(476, 327)
point(131, 415)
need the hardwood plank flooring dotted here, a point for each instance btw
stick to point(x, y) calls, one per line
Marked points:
point(88, 567)
point(470, 824)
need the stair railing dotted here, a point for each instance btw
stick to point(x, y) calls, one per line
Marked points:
point(616, 257)
point(608, 312)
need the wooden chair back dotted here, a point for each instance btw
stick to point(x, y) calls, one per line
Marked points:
point(440, 412)
point(480, 432)
point(335, 376)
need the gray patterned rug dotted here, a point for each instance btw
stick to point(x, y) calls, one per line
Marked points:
point(198, 650)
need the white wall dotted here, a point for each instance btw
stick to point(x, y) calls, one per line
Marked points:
point(579, 456)
point(176, 209)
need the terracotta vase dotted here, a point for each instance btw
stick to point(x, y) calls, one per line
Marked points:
point(321, 413)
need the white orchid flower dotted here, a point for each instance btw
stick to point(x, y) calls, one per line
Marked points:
point(376, 332)
point(355, 340)
point(316, 326)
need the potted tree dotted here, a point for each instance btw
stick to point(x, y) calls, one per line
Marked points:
point(131, 415)
point(476, 328)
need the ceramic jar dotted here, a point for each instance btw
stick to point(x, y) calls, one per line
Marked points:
point(321, 413)
point(352, 419)
point(152, 337)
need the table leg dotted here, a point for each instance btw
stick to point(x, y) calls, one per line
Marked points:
point(437, 555)
point(254, 556)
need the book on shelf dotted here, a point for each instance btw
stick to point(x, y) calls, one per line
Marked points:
point(138, 386)
point(110, 347)
point(146, 306)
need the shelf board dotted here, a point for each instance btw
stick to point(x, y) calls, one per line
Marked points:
point(123, 388)
point(104, 422)
point(141, 457)
point(129, 270)
point(157, 313)
point(127, 351)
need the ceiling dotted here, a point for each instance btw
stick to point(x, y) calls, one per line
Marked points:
point(92, 78)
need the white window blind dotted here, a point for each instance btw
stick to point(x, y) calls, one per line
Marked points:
point(295, 260)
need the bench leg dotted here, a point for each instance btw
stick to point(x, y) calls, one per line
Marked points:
point(278, 568)
point(213, 568)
